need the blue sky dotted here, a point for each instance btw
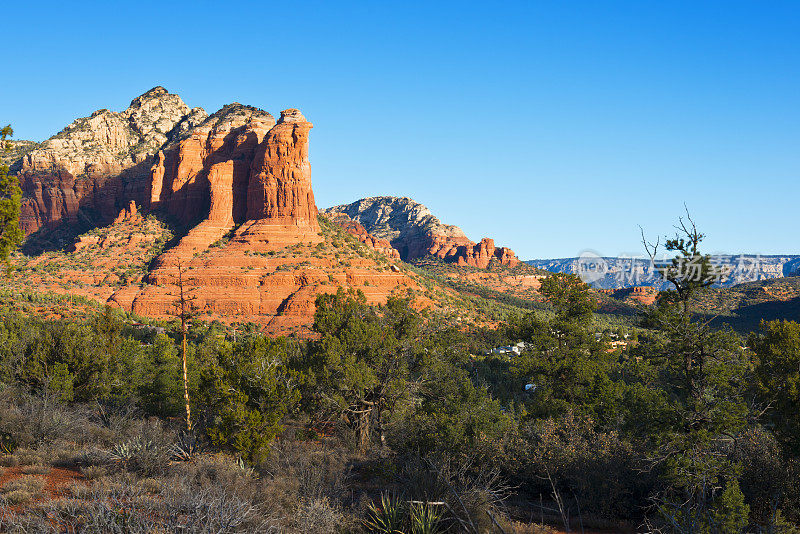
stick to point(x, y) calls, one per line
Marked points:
point(552, 127)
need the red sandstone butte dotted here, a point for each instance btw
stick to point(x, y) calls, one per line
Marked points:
point(265, 265)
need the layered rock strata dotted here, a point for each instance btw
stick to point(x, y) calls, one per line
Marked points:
point(237, 187)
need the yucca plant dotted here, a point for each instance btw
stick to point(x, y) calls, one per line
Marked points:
point(425, 519)
point(388, 518)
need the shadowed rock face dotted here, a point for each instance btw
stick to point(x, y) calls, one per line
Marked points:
point(91, 169)
point(415, 232)
point(242, 169)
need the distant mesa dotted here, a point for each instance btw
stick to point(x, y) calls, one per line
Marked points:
point(627, 272)
point(415, 232)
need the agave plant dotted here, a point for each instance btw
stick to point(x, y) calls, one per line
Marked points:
point(185, 450)
point(248, 470)
point(388, 518)
point(425, 519)
point(125, 452)
point(7, 443)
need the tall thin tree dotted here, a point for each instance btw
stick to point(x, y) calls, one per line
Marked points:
point(185, 315)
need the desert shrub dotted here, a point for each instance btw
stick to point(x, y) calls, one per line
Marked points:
point(28, 457)
point(473, 493)
point(148, 452)
point(121, 506)
point(425, 518)
point(387, 516)
point(597, 469)
point(303, 472)
point(767, 479)
point(29, 420)
point(452, 415)
point(213, 510)
point(219, 471)
point(93, 472)
point(317, 516)
point(160, 382)
point(243, 394)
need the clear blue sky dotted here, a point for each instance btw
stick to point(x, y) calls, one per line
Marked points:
point(551, 126)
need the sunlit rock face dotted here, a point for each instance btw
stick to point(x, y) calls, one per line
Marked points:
point(236, 187)
point(415, 232)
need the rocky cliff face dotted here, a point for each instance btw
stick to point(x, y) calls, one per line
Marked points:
point(237, 186)
point(90, 170)
point(415, 232)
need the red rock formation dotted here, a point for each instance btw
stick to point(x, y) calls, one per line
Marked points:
point(206, 176)
point(259, 178)
point(241, 183)
point(280, 202)
point(280, 184)
point(645, 295)
point(414, 232)
point(360, 233)
point(128, 214)
point(482, 254)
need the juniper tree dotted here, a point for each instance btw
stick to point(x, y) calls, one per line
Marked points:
point(10, 200)
point(702, 372)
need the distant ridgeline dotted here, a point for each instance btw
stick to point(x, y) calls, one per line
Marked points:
point(624, 272)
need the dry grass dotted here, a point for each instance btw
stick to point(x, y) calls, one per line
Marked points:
point(9, 460)
point(318, 516)
point(93, 472)
point(22, 490)
point(79, 490)
point(27, 457)
point(35, 469)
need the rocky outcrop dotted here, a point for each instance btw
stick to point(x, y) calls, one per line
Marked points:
point(360, 233)
point(482, 254)
point(257, 254)
point(14, 150)
point(280, 187)
point(415, 232)
point(92, 168)
point(129, 214)
point(202, 181)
